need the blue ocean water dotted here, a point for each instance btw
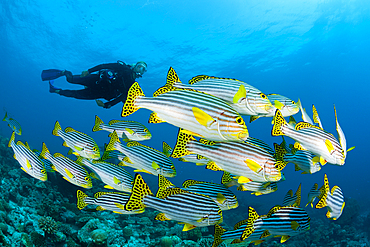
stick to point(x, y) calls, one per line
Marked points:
point(315, 51)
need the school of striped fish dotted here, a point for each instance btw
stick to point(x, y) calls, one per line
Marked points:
point(212, 133)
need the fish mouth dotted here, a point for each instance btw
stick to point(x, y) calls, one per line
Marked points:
point(243, 135)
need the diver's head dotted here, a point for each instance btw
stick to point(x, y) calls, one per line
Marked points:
point(139, 68)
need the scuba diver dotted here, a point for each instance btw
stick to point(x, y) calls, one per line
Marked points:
point(111, 82)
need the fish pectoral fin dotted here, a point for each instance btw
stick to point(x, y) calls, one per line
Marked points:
point(155, 165)
point(284, 238)
point(69, 174)
point(278, 104)
point(322, 161)
point(243, 180)
point(294, 225)
point(29, 166)
point(116, 180)
point(241, 94)
point(130, 131)
point(329, 146)
point(120, 206)
point(108, 187)
point(221, 198)
point(187, 227)
point(202, 117)
point(253, 165)
point(78, 148)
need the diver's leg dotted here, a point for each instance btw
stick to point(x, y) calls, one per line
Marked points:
point(88, 80)
point(86, 93)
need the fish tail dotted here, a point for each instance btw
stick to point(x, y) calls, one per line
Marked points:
point(249, 229)
point(45, 153)
point(113, 139)
point(140, 190)
point(97, 124)
point(324, 190)
point(57, 127)
point(81, 199)
point(279, 122)
point(163, 184)
point(219, 230)
point(129, 107)
point(12, 137)
point(180, 148)
point(6, 116)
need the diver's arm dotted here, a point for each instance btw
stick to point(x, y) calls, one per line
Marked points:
point(115, 101)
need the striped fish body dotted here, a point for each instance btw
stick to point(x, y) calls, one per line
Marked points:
point(237, 233)
point(13, 124)
point(304, 160)
point(286, 106)
point(70, 170)
point(28, 160)
point(244, 98)
point(291, 199)
point(286, 221)
point(131, 130)
point(193, 158)
point(194, 209)
point(333, 199)
point(201, 114)
point(81, 144)
point(112, 201)
point(115, 177)
point(224, 197)
point(335, 203)
point(240, 159)
point(311, 138)
point(260, 143)
point(146, 159)
point(259, 188)
point(314, 192)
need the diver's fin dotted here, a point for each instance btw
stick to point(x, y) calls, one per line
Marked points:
point(51, 74)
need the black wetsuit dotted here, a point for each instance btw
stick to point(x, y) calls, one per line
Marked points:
point(111, 83)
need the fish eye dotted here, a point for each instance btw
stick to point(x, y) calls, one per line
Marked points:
point(145, 130)
point(263, 96)
point(293, 102)
point(87, 179)
point(239, 120)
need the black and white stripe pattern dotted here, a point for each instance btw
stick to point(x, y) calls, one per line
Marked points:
point(214, 191)
point(289, 107)
point(286, 221)
point(13, 124)
point(304, 160)
point(233, 157)
point(111, 174)
point(254, 103)
point(28, 160)
point(144, 158)
point(82, 144)
point(70, 170)
point(113, 201)
point(187, 207)
point(185, 109)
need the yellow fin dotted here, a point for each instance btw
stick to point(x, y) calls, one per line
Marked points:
point(278, 104)
point(221, 198)
point(155, 165)
point(188, 227)
point(108, 187)
point(202, 117)
point(329, 145)
point(29, 166)
point(69, 174)
point(253, 165)
point(161, 217)
point(153, 118)
point(243, 180)
point(116, 180)
point(130, 131)
point(294, 225)
point(241, 94)
point(78, 148)
point(284, 238)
